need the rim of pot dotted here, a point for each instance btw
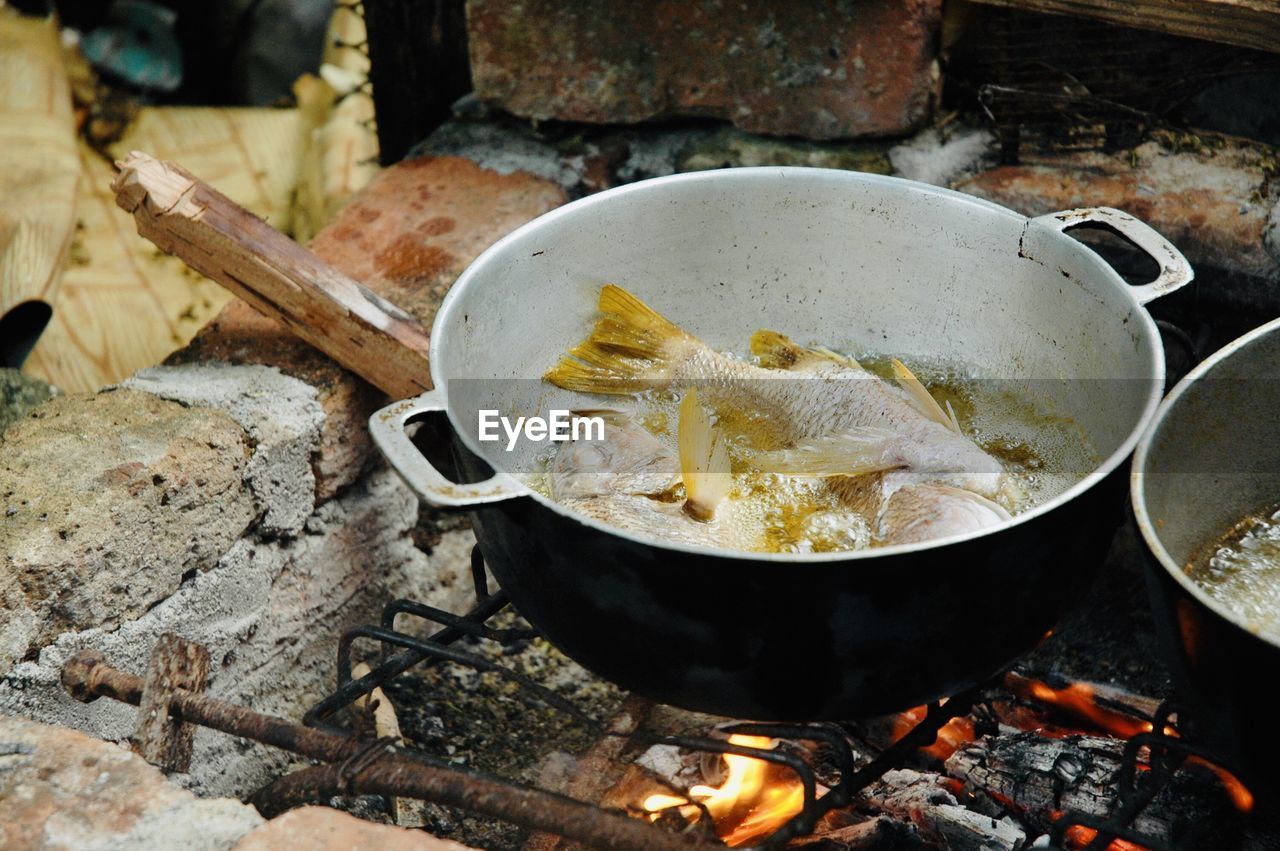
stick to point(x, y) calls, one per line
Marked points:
point(1137, 480)
point(1156, 367)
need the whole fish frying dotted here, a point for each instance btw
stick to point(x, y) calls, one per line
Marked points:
point(806, 413)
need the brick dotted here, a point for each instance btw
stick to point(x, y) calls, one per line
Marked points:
point(1212, 204)
point(810, 68)
point(407, 236)
point(106, 502)
point(60, 789)
point(325, 829)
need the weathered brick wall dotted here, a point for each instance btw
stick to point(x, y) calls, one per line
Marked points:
point(231, 495)
point(819, 69)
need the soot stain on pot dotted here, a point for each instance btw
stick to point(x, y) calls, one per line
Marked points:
point(1022, 238)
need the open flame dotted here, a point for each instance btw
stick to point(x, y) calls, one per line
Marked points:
point(755, 799)
point(954, 734)
point(1081, 702)
point(758, 797)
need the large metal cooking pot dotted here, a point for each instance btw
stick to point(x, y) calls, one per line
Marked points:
point(853, 260)
point(1210, 459)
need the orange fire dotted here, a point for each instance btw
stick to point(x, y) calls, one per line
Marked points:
point(1080, 701)
point(758, 797)
point(1241, 797)
point(1078, 836)
point(955, 733)
point(755, 799)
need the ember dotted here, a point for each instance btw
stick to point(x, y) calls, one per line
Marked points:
point(1080, 701)
point(1079, 837)
point(953, 734)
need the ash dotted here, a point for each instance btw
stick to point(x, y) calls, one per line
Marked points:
point(479, 720)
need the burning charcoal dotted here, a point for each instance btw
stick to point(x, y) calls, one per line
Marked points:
point(1040, 778)
point(1096, 706)
point(921, 799)
point(667, 762)
point(877, 834)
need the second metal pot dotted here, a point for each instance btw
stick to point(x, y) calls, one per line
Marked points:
point(1210, 459)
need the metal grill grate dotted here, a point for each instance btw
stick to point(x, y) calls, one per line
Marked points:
point(413, 651)
point(356, 762)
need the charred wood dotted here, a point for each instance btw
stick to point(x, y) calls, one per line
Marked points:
point(877, 834)
point(598, 769)
point(1041, 778)
point(921, 799)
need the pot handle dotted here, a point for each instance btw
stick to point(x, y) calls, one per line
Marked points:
point(386, 427)
point(1175, 271)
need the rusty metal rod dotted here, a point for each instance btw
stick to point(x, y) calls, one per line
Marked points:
point(87, 676)
point(478, 794)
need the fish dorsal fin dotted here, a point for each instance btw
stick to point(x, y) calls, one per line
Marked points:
point(853, 452)
point(922, 399)
point(631, 346)
point(704, 460)
point(777, 351)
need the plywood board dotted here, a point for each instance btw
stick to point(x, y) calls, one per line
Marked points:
point(37, 163)
point(122, 304)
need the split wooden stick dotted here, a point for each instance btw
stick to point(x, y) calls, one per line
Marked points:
point(215, 236)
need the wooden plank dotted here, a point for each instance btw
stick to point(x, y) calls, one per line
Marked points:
point(248, 153)
point(341, 155)
point(122, 305)
point(1244, 23)
point(350, 323)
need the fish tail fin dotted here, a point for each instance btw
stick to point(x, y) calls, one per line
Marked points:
point(923, 400)
point(630, 347)
point(704, 460)
point(855, 452)
point(777, 351)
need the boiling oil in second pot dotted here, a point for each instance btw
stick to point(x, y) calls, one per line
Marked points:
point(1242, 571)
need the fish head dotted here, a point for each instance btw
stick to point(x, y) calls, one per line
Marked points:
point(914, 513)
point(626, 460)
